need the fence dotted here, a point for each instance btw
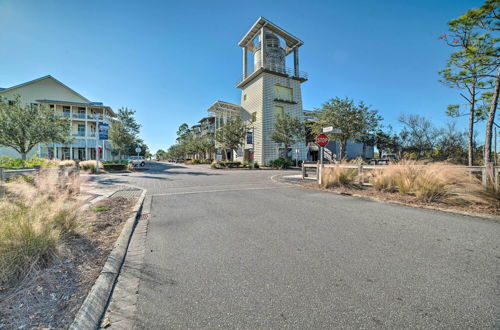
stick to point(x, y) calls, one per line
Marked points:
point(64, 173)
point(488, 171)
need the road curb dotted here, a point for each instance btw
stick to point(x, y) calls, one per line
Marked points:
point(90, 313)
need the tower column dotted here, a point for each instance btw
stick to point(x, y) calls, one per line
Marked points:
point(262, 47)
point(245, 65)
point(296, 61)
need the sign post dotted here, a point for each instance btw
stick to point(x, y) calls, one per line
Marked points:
point(103, 130)
point(322, 141)
point(138, 150)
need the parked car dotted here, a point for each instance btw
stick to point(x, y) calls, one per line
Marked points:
point(137, 161)
point(386, 159)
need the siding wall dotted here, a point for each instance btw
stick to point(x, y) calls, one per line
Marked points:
point(253, 103)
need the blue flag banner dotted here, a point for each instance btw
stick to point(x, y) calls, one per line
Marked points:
point(249, 137)
point(103, 131)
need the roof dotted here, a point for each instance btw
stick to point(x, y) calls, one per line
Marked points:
point(291, 41)
point(222, 105)
point(39, 79)
point(206, 118)
point(90, 104)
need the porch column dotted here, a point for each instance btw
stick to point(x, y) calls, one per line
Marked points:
point(245, 64)
point(296, 61)
point(71, 152)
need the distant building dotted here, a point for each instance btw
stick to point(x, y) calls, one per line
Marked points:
point(332, 149)
point(84, 114)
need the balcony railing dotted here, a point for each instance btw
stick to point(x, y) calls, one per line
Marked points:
point(79, 115)
point(95, 116)
point(281, 70)
point(79, 134)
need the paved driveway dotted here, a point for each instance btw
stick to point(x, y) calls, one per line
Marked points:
point(237, 250)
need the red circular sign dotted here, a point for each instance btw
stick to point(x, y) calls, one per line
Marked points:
point(322, 140)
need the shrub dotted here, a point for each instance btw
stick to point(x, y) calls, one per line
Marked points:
point(67, 162)
point(33, 221)
point(429, 183)
point(232, 164)
point(208, 161)
point(196, 161)
point(114, 167)
point(338, 176)
point(281, 163)
point(89, 165)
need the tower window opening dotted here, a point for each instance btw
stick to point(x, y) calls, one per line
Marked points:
point(283, 93)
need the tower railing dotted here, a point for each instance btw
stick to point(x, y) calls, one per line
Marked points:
point(281, 70)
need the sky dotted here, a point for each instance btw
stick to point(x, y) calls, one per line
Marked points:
point(170, 60)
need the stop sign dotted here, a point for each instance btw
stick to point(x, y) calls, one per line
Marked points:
point(322, 140)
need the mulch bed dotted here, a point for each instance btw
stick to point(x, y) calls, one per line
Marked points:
point(479, 209)
point(50, 298)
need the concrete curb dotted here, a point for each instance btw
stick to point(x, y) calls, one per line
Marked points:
point(90, 313)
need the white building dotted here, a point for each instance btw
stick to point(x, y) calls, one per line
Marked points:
point(268, 89)
point(84, 114)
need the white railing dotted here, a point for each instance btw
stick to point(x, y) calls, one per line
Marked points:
point(486, 171)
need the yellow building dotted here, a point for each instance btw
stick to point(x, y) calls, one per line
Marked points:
point(84, 114)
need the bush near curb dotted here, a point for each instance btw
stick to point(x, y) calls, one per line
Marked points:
point(281, 163)
point(33, 221)
point(115, 167)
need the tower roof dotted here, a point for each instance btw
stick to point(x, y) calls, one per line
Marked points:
point(290, 40)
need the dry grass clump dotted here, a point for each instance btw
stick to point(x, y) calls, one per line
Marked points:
point(89, 165)
point(67, 162)
point(337, 176)
point(437, 182)
point(33, 222)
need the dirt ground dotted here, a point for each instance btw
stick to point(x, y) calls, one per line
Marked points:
point(50, 298)
point(472, 208)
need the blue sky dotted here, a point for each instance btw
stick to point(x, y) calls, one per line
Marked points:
point(170, 60)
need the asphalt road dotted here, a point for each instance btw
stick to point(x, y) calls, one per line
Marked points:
point(237, 250)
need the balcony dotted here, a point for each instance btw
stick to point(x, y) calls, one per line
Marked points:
point(78, 116)
point(286, 72)
point(95, 116)
point(78, 134)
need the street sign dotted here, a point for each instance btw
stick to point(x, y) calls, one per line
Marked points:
point(103, 131)
point(138, 149)
point(330, 129)
point(322, 140)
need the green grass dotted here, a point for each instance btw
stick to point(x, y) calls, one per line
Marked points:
point(102, 208)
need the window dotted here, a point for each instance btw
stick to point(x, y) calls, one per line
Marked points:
point(283, 93)
point(66, 111)
point(81, 129)
point(11, 102)
point(81, 110)
point(244, 97)
point(254, 116)
point(278, 110)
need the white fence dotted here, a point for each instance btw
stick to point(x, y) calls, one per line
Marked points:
point(62, 171)
point(485, 171)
